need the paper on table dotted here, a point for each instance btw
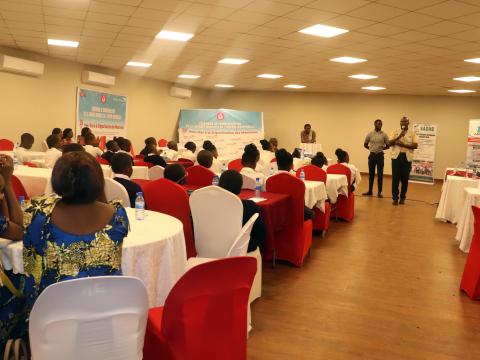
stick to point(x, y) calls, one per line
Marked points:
point(257, 199)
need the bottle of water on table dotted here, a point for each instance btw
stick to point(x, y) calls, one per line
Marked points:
point(215, 180)
point(258, 187)
point(302, 175)
point(139, 207)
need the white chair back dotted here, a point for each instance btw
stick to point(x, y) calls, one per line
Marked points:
point(248, 182)
point(217, 220)
point(240, 245)
point(115, 191)
point(155, 172)
point(95, 318)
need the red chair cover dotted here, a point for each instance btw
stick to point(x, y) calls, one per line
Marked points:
point(314, 173)
point(162, 143)
point(294, 243)
point(102, 161)
point(185, 162)
point(205, 314)
point(142, 163)
point(345, 206)
point(139, 157)
point(30, 164)
point(18, 187)
point(470, 283)
point(6, 145)
point(165, 196)
point(199, 176)
point(102, 142)
point(235, 165)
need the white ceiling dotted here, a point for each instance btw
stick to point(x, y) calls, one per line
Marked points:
point(414, 46)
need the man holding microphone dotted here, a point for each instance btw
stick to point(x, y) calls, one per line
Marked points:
point(376, 141)
point(403, 142)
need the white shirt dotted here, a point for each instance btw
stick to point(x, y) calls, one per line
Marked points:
point(188, 154)
point(121, 176)
point(51, 157)
point(355, 178)
point(21, 154)
point(253, 174)
point(266, 156)
point(170, 154)
point(92, 150)
point(216, 166)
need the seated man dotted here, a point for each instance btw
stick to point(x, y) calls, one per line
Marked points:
point(205, 159)
point(152, 156)
point(53, 153)
point(250, 160)
point(151, 141)
point(175, 173)
point(284, 163)
point(319, 160)
point(125, 145)
point(121, 164)
point(26, 143)
point(57, 131)
point(232, 181)
point(190, 152)
point(112, 148)
point(91, 145)
point(172, 152)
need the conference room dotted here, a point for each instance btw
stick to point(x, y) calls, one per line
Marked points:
point(239, 179)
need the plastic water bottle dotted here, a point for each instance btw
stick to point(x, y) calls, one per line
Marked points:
point(215, 180)
point(139, 207)
point(302, 175)
point(15, 159)
point(258, 187)
point(21, 202)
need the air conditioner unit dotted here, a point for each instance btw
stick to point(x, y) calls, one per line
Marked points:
point(180, 92)
point(21, 66)
point(94, 78)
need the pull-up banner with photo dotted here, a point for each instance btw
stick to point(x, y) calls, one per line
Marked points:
point(229, 130)
point(104, 113)
point(473, 143)
point(424, 156)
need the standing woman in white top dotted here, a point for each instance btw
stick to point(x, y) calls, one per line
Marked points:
point(344, 158)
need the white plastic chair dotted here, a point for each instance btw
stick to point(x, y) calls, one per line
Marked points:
point(248, 182)
point(115, 191)
point(217, 220)
point(96, 318)
point(155, 172)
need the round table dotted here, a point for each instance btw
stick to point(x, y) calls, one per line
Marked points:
point(470, 196)
point(153, 251)
point(450, 205)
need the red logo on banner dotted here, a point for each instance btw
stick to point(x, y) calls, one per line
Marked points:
point(103, 99)
point(220, 116)
point(82, 94)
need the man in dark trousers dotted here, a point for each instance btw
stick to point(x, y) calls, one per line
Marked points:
point(402, 142)
point(376, 142)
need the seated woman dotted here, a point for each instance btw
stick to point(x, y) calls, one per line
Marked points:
point(320, 160)
point(149, 142)
point(73, 235)
point(125, 145)
point(189, 153)
point(112, 148)
point(232, 181)
point(216, 164)
point(12, 315)
point(153, 157)
point(176, 173)
point(250, 159)
point(343, 158)
point(67, 136)
point(266, 154)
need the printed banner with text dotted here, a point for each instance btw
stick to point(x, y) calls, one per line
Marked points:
point(104, 113)
point(424, 156)
point(473, 143)
point(229, 130)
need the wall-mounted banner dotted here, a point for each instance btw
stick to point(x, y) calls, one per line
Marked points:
point(229, 130)
point(424, 156)
point(104, 113)
point(473, 143)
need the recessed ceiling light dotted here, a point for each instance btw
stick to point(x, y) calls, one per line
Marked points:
point(468, 78)
point(363, 76)
point(348, 60)
point(269, 76)
point(323, 31)
point(186, 76)
point(461, 91)
point(174, 35)
point(373, 88)
point(66, 43)
point(233, 61)
point(224, 85)
point(295, 86)
point(139, 64)
point(475, 60)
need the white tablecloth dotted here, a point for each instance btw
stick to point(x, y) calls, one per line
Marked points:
point(154, 251)
point(29, 156)
point(310, 148)
point(471, 196)
point(298, 163)
point(34, 180)
point(336, 185)
point(315, 194)
point(451, 203)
